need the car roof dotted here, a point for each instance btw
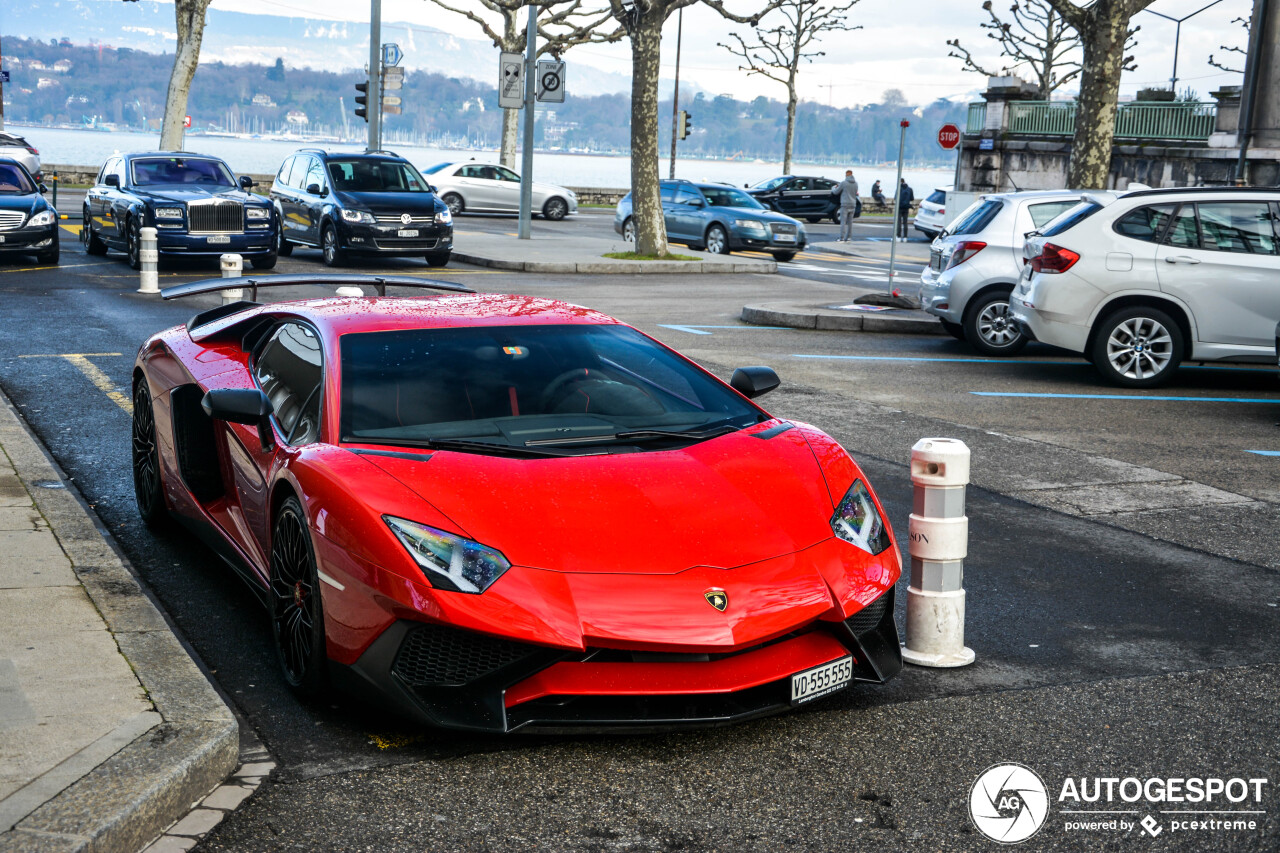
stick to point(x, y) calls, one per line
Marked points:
point(1034, 194)
point(350, 155)
point(1198, 191)
point(189, 154)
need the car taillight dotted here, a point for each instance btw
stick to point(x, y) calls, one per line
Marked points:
point(33, 151)
point(941, 210)
point(965, 251)
point(1053, 259)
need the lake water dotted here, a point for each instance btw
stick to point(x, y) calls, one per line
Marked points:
point(263, 156)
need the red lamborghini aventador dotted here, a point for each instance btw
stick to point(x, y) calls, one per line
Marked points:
point(501, 512)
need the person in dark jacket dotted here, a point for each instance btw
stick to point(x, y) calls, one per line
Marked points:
point(905, 197)
point(877, 195)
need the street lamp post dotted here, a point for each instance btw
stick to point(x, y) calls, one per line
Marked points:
point(1177, 36)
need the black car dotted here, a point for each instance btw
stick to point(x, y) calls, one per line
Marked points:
point(194, 202)
point(28, 223)
point(348, 203)
point(801, 196)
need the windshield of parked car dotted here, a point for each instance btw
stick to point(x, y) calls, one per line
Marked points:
point(376, 176)
point(431, 170)
point(729, 197)
point(976, 218)
point(772, 183)
point(156, 171)
point(14, 180)
point(526, 386)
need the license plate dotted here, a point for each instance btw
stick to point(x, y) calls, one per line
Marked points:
point(409, 233)
point(218, 239)
point(821, 680)
point(785, 238)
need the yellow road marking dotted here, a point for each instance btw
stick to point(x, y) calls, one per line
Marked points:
point(56, 267)
point(72, 229)
point(94, 374)
point(394, 741)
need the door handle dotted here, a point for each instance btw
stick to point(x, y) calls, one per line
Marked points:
point(1181, 259)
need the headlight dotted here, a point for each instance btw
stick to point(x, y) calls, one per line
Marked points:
point(443, 217)
point(448, 561)
point(257, 212)
point(44, 217)
point(856, 520)
point(749, 224)
point(362, 216)
point(168, 213)
point(573, 195)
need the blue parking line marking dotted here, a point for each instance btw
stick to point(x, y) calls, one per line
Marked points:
point(1126, 397)
point(697, 330)
point(1265, 452)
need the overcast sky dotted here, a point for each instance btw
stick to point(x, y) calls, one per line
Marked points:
point(902, 44)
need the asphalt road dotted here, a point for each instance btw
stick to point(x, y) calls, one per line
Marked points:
point(1101, 651)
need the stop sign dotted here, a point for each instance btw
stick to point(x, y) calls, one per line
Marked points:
point(949, 136)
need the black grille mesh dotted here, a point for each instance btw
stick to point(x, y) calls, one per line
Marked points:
point(434, 655)
point(216, 216)
point(868, 617)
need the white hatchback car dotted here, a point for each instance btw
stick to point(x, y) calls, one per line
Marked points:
point(490, 188)
point(1140, 281)
point(931, 217)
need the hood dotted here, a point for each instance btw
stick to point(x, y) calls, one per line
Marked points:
point(765, 215)
point(31, 203)
point(391, 202)
point(721, 503)
point(550, 189)
point(187, 193)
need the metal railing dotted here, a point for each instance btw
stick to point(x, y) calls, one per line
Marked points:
point(1175, 120)
point(977, 118)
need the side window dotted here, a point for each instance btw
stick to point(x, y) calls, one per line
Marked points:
point(298, 175)
point(315, 174)
point(1145, 223)
point(289, 371)
point(1247, 227)
point(507, 175)
point(106, 170)
point(800, 185)
point(686, 196)
point(282, 177)
point(824, 184)
point(940, 197)
point(1184, 232)
point(469, 172)
point(1042, 213)
point(667, 192)
point(121, 170)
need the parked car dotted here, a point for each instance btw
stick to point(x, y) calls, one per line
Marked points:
point(28, 223)
point(194, 202)
point(498, 513)
point(931, 216)
point(350, 204)
point(802, 196)
point(1141, 281)
point(15, 147)
point(974, 266)
point(490, 188)
point(718, 218)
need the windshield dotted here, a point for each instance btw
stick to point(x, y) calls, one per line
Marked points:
point(431, 170)
point(772, 183)
point(152, 171)
point(729, 197)
point(14, 180)
point(376, 176)
point(976, 217)
point(1070, 218)
point(519, 386)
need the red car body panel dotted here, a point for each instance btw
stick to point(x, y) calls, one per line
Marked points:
point(608, 552)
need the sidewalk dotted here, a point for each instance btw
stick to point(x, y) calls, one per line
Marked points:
point(572, 253)
point(108, 729)
point(914, 251)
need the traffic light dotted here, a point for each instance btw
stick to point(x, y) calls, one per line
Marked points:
point(682, 127)
point(362, 100)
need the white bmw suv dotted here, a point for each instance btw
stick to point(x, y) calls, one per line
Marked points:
point(1137, 282)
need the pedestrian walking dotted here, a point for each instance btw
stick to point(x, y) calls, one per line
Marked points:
point(905, 197)
point(877, 195)
point(847, 193)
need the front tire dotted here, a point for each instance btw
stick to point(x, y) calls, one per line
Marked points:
point(1137, 347)
point(133, 242)
point(265, 262)
point(438, 259)
point(148, 488)
point(989, 329)
point(717, 240)
point(629, 230)
point(49, 257)
point(297, 612)
point(813, 219)
point(555, 209)
point(455, 203)
point(283, 247)
point(955, 330)
point(332, 255)
point(784, 257)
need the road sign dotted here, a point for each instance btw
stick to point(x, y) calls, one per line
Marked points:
point(986, 144)
point(392, 78)
point(391, 111)
point(186, 121)
point(949, 137)
point(550, 88)
point(390, 101)
point(511, 81)
point(392, 54)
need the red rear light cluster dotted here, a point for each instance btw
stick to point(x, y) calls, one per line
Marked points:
point(1053, 259)
point(33, 150)
point(964, 251)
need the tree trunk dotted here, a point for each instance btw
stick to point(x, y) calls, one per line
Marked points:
point(1103, 39)
point(190, 21)
point(646, 203)
point(510, 127)
point(791, 125)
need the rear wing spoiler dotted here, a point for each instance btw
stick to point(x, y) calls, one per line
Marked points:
point(380, 282)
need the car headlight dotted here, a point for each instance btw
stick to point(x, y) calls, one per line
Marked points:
point(443, 217)
point(168, 213)
point(257, 212)
point(857, 521)
point(573, 195)
point(362, 216)
point(44, 217)
point(749, 224)
point(448, 561)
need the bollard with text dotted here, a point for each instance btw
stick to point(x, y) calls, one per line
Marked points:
point(148, 262)
point(232, 265)
point(938, 541)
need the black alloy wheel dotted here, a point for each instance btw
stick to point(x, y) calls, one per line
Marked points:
point(93, 244)
point(333, 256)
point(297, 614)
point(555, 209)
point(283, 247)
point(148, 490)
point(133, 242)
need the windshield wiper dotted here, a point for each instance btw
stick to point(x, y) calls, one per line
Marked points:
point(461, 445)
point(637, 435)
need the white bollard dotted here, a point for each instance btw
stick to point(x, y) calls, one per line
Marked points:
point(149, 258)
point(938, 541)
point(232, 266)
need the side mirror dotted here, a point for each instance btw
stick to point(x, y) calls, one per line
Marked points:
point(752, 382)
point(246, 182)
point(112, 180)
point(43, 189)
point(314, 189)
point(242, 406)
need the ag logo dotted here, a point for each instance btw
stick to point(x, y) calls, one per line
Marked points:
point(717, 598)
point(1008, 803)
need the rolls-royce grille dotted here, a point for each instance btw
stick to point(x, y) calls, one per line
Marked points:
point(218, 217)
point(11, 219)
point(398, 219)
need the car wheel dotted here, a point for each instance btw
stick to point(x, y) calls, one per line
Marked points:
point(148, 489)
point(283, 247)
point(133, 242)
point(955, 330)
point(49, 257)
point(455, 203)
point(333, 256)
point(297, 613)
point(988, 327)
point(555, 209)
point(1137, 347)
point(438, 259)
point(93, 244)
point(783, 257)
point(265, 262)
point(717, 240)
point(814, 219)
point(835, 216)
point(629, 230)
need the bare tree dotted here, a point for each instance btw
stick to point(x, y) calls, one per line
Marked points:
point(568, 25)
point(643, 20)
point(1036, 37)
point(190, 18)
point(777, 53)
point(1103, 27)
point(1244, 22)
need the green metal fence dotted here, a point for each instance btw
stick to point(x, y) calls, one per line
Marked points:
point(977, 118)
point(1042, 118)
point(1176, 120)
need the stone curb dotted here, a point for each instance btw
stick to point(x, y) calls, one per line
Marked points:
point(829, 319)
point(172, 757)
point(606, 265)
